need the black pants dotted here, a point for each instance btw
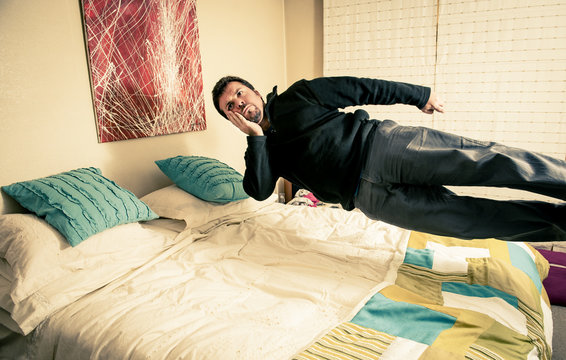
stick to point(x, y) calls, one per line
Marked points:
point(407, 167)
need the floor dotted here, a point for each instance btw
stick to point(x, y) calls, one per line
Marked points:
point(559, 338)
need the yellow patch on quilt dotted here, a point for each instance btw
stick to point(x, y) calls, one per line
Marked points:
point(348, 341)
point(396, 293)
point(542, 264)
point(503, 276)
point(502, 343)
point(466, 330)
point(418, 240)
point(407, 278)
point(478, 336)
point(498, 249)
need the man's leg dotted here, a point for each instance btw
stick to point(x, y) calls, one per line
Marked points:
point(436, 210)
point(415, 155)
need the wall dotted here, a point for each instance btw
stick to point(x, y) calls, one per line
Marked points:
point(47, 122)
point(303, 38)
point(304, 46)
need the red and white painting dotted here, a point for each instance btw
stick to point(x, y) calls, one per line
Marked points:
point(145, 67)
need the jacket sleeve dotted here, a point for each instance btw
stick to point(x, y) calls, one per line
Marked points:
point(340, 92)
point(259, 178)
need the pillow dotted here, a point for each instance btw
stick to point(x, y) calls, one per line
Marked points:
point(79, 203)
point(6, 302)
point(175, 203)
point(48, 274)
point(8, 322)
point(5, 269)
point(205, 178)
point(555, 282)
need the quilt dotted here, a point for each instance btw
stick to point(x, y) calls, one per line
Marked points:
point(452, 299)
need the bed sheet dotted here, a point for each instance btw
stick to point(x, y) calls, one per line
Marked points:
point(262, 286)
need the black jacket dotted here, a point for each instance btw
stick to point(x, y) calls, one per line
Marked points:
point(315, 145)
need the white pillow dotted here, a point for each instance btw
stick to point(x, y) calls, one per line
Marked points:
point(8, 322)
point(6, 302)
point(175, 203)
point(32, 248)
point(5, 269)
point(48, 273)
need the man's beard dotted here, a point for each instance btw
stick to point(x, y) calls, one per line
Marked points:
point(255, 116)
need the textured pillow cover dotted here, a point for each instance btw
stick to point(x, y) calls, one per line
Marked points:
point(205, 178)
point(80, 203)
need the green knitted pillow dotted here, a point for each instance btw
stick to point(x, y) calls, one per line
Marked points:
point(80, 203)
point(205, 178)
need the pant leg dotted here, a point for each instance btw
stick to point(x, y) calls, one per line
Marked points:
point(416, 155)
point(436, 210)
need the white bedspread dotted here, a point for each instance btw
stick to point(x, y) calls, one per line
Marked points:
point(263, 288)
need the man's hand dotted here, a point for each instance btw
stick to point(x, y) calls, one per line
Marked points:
point(434, 104)
point(247, 127)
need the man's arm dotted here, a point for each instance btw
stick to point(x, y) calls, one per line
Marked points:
point(340, 92)
point(259, 178)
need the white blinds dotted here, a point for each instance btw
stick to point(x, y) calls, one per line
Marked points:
point(500, 65)
point(391, 40)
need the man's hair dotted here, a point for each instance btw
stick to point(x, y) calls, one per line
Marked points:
point(221, 86)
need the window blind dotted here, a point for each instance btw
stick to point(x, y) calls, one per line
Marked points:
point(500, 66)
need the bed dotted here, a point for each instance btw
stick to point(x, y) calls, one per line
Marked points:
point(207, 273)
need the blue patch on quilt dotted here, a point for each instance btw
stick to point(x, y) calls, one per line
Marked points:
point(399, 318)
point(483, 291)
point(521, 260)
point(419, 257)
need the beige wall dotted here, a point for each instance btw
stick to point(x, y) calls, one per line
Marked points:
point(47, 122)
point(303, 38)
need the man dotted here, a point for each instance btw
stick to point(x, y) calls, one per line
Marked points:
point(390, 172)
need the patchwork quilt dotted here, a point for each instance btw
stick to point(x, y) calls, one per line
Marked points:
point(452, 299)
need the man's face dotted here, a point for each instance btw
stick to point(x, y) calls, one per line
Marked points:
point(240, 99)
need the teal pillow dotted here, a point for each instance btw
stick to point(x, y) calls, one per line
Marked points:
point(205, 178)
point(80, 203)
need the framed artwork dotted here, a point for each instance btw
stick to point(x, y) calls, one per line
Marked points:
point(145, 67)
